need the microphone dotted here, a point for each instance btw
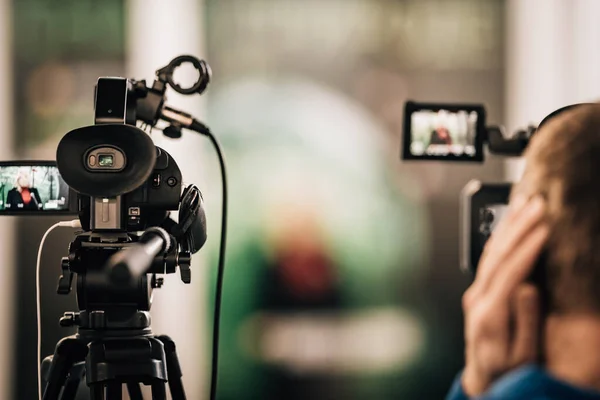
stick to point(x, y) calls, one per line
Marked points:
point(126, 266)
point(179, 119)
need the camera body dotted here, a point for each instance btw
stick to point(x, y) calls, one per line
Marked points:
point(482, 207)
point(152, 197)
point(146, 206)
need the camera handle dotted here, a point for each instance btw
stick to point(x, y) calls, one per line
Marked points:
point(126, 266)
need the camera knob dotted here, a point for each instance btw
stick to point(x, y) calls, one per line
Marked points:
point(157, 282)
point(97, 320)
point(488, 216)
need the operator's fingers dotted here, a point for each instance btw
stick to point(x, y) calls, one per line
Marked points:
point(505, 242)
point(526, 309)
point(519, 264)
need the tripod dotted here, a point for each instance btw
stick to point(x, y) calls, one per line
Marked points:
point(109, 359)
point(114, 345)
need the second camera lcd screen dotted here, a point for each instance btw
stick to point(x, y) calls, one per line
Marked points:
point(443, 132)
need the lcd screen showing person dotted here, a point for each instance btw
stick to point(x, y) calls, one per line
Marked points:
point(32, 188)
point(443, 132)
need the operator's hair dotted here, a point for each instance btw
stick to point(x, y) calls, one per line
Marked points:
point(563, 166)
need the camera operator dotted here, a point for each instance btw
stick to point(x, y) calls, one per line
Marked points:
point(532, 315)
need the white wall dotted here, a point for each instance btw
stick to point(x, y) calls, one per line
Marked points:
point(553, 59)
point(7, 283)
point(158, 31)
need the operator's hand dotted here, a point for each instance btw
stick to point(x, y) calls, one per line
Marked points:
point(501, 309)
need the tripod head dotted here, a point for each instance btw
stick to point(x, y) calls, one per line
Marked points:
point(127, 188)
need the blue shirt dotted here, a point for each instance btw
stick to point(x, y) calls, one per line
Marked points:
point(530, 382)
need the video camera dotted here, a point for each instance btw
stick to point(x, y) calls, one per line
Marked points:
point(458, 132)
point(125, 184)
point(123, 189)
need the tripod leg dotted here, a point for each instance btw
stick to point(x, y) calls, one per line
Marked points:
point(97, 391)
point(68, 351)
point(73, 381)
point(159, 391)
point(173, 368)
point(114, 391)
point(135, 392)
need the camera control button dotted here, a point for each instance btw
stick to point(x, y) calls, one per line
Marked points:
point(488, 216)
point(172, 181)
point(156, 180)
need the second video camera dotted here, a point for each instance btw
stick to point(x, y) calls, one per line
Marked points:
point(483, 205)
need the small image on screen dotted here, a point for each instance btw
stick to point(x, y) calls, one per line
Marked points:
point(32, 188)
point(442, 133)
